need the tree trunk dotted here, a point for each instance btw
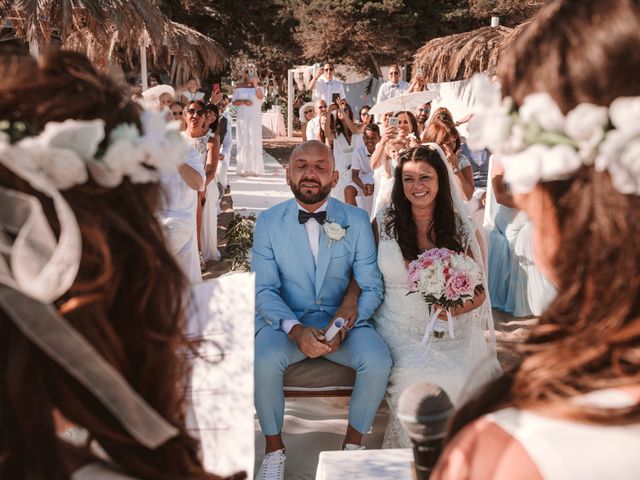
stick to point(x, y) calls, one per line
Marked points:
point(374, 67)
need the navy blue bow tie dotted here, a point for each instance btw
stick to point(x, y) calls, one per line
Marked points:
point(303, 217)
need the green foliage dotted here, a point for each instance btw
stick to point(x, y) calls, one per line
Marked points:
point(240, 242)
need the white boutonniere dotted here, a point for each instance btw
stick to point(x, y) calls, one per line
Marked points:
point(334, 231)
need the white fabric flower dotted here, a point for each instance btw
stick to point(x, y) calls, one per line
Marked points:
point(125, 131)
point(620, 156)
point(334, 231)
point(541, 108)
point(62, 167)
point(81, 136)
point(625, 114)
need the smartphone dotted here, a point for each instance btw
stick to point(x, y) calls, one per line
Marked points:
point(393, 122)
point(335, 97)
point(216, 87)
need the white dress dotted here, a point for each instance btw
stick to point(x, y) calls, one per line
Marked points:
point(567, 450)
point(383, 187)
point(209, 226)
point(459, 365)
point(344, 153)
point(249, 133)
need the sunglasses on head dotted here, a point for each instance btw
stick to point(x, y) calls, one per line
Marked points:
point(193, 111)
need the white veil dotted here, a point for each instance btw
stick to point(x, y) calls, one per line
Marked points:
point(467, 234)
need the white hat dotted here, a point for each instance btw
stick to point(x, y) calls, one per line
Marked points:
point(302, 109)
point(157, 91)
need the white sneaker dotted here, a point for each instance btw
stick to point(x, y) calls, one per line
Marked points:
point(272, 467)
point(353, 446)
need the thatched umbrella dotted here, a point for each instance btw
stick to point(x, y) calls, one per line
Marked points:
point(193, 53)
point(459, 56)
point(97, 23)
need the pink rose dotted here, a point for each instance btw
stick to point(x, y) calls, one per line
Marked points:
point(458, 285)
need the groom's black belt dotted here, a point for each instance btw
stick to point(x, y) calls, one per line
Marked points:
point(303, 217)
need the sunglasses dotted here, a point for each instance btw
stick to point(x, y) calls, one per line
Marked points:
point(193, 111)
point(177, 113)
point(308, 112)
point(322, 107)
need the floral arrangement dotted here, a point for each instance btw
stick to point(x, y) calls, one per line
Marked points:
point(537, 142)
point(445, 279)
point(334, 231)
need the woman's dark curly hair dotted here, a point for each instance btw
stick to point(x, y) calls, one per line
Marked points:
point(442, 231)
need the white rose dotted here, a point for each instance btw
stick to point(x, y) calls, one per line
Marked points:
point(625, 171)
point(334, 231)
point(585, 121)
point(522, 171)
point(541, 108)
point(560, 162)
point(625, 113)
point(431, 281)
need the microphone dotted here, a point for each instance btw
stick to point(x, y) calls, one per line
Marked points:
point(424, 410)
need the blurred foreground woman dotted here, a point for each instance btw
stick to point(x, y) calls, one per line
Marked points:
point(91, 300)
point(570, 409)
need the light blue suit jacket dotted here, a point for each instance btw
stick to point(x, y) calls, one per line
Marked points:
point(290, 286)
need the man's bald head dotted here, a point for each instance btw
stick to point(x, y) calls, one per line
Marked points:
point(320, 106)
point(311, 148)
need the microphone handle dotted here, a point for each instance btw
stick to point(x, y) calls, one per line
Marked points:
point(425, 455)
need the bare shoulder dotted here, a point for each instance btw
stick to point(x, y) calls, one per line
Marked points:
point(484, 451)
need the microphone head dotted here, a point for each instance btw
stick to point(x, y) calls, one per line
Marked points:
point(424, 410)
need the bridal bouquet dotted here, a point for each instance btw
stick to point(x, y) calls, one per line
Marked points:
point(445, 279)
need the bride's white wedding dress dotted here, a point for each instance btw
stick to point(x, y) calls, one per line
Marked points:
point(458, 365)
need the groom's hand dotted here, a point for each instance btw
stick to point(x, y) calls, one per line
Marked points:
point(349, 307)
point(310, 341)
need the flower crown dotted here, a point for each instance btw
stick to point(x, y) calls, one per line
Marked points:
point(538, 143)
point(66, 153)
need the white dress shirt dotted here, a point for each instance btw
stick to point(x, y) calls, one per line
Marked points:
point(391, 90)
point(312, 227)
point(324, 89)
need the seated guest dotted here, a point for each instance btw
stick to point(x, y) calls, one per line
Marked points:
point(422, 116)
point(384, 171)
point(92, 309)
point(313, 125)
point(302, 285)
point(306, 114)
point(570, 407)
point(363, 115)
point(360, 190)
point(324, 84)
point(177, 113)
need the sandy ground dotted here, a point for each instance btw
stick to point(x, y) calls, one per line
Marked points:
point(313, 425)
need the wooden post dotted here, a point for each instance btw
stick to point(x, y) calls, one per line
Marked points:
point(143, 66)
point(290, 104)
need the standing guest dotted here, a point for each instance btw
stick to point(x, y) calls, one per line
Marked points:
point(92, 324)
point(324, 84)
point(192, 92)
point(302, 279)
point(177, 113)
point(407, 126)
point(200, 138)
point(210, 198)
point(313, 125)
point(384, 173)
point(226, 141)
point(393, 87)
point(422, 116)
point(443, 113)
point(359, 191)
point(444, 133)
point(306, 114)
point(570, 408)
point(247, 98)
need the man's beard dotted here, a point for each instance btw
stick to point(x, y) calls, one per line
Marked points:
point(311, 198)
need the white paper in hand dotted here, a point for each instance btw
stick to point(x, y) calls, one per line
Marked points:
point(221, 388)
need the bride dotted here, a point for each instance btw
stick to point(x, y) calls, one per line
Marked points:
point(425, 213)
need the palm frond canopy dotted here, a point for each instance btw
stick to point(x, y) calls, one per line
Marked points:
point(459, 56)
point(192, 50)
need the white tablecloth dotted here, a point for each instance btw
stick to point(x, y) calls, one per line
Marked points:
point(273, 125)
point(392, 464)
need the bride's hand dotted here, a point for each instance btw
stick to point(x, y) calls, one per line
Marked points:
point(310, 341)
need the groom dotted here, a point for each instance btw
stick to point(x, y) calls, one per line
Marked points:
point(303, 267)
